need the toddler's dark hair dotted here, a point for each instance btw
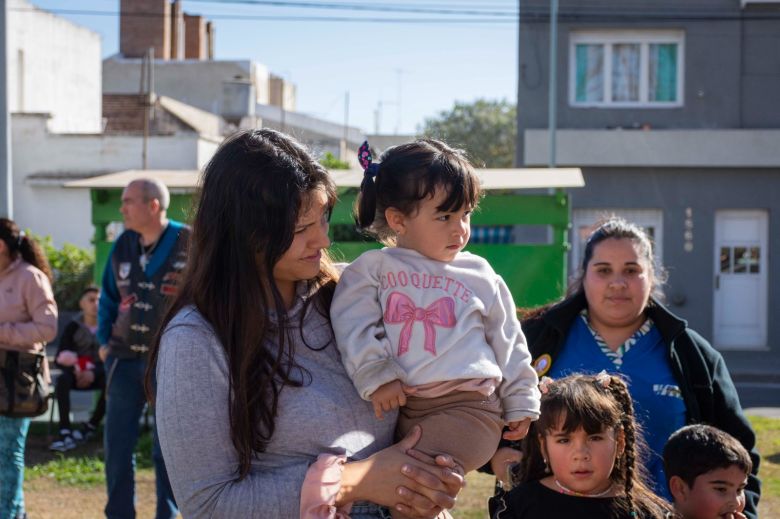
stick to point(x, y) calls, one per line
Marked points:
point(409, 173)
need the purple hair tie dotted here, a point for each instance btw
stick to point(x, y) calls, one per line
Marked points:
point(364, 157)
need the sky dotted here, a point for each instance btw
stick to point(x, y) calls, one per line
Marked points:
point(397, 73)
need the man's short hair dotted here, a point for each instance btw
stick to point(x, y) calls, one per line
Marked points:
point(88, 289)
point(697, 449)
point(152, 188)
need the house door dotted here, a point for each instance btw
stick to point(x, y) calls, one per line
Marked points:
point(740, 299)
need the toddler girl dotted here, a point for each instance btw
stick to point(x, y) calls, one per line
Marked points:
point(422, 325)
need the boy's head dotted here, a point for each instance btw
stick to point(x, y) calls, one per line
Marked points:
point(88, 301)
point(707, 471)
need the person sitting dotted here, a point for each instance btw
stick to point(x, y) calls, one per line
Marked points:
point(82, 369)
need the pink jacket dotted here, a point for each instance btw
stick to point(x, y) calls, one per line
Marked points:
point(28, 313)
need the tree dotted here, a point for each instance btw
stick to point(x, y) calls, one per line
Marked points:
point(72, 267)
point(486, 129)
point(331, 162)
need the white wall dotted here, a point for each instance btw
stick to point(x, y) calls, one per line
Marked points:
point(656, 148)
point(63, 213)
point(197, 83)
point(206, 148)
point(54, 67)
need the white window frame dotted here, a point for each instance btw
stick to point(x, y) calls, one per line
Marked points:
point(644, 38)
point(588, 217)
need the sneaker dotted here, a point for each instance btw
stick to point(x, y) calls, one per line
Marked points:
point(77, 436)
point(64, 442)
point(85, 433)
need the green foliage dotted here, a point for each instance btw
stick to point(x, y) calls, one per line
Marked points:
point(72, 267)
point(768, 443)
point(81, 471)
point(331, 162)
point(85, 465)
point(485, 129)
point(143, 450)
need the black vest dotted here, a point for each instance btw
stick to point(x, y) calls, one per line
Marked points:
point(144, 295)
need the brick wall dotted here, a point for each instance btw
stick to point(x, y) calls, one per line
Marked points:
point(194, 37)
point(177, 30)
point(144, 24)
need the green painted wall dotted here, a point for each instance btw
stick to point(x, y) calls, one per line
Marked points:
point(535, 273)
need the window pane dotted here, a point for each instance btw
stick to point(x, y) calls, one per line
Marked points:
point(725, 260)
point(625, 72)
point(590, 73)
point(755, 257)
point(663, 72)
point(741, 259)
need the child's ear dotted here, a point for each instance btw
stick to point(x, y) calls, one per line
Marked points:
point(542, 446)
point(679, 489)
point(396, 220)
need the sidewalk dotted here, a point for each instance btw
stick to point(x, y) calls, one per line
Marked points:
point(766, 412)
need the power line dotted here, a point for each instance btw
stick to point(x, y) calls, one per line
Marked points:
point(529, 16)
point(295, 18)
point(363, 7)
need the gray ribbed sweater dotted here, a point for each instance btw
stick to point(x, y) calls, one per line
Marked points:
point(326, 415)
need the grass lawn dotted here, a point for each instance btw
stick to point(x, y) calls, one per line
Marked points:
point(72, 486)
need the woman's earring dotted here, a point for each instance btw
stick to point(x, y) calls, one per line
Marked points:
point(546, 466)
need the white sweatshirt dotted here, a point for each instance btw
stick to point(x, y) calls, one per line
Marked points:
point(398, 315)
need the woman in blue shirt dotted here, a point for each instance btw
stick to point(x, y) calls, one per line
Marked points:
point(612, 320)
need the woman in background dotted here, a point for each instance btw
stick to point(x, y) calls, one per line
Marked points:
point(28, 319)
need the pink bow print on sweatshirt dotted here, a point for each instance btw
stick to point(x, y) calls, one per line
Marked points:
point(401, 309)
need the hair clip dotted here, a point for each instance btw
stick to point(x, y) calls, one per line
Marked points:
point(364, 157)
point(544, 384)
point(604, 379)
point(22, 234)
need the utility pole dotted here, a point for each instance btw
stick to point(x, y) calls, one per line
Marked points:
point(378, 117)
point(345, 140)
point(398, 71)
point(6, 165)
point(378, 114)
point(553, 86)
point(147, 95)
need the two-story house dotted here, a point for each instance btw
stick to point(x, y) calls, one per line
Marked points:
point(672, 110)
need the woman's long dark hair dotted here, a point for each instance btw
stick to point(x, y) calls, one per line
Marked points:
point(252, 192)
point(21, 245)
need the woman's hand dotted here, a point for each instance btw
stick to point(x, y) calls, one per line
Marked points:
point(502, 461)
point(402, 479)
point(450, 473)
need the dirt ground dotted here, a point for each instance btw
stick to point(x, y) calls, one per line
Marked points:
point(45, 498)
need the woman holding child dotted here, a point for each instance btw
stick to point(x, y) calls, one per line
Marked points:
point(612, 320)
point(256, 414)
